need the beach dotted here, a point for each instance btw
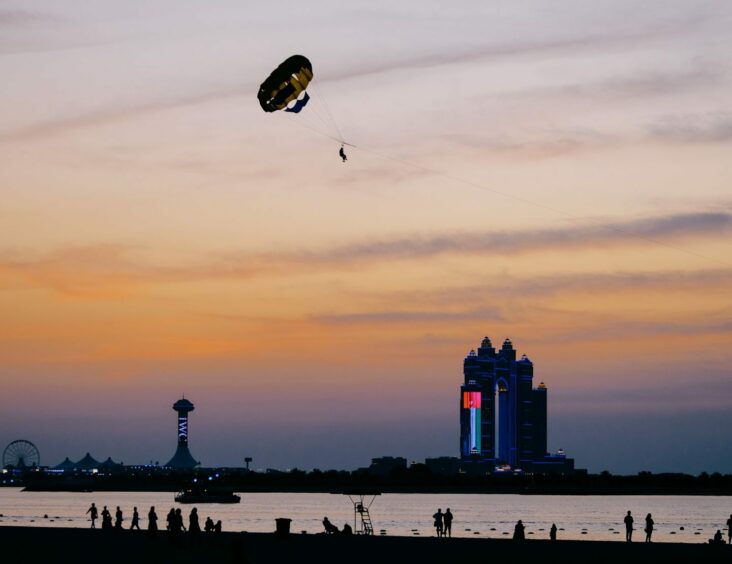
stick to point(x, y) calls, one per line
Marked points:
point(61, 545)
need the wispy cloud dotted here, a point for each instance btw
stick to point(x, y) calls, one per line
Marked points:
point(398, 316)
point(598, 283)
point(634, 232)
point(106, 116)
point(705, 128)
point(14, 17)
point(625, 329)
point(572, 45)
point(550, 143)
point(113, 268)
point(539, 287)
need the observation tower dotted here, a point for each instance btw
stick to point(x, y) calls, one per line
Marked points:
point(182, 457)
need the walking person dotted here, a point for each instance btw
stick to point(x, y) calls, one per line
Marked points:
point(438, 517)
point(179, 520)
point(118, 518)
point(93, 514)
point(152, 522)
point(628, 527)
point(447, 520)
point(553, 532)
point(135, 519)
point(176, 525)
point(649, 527)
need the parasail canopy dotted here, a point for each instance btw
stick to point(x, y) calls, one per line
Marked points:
point(285, 85)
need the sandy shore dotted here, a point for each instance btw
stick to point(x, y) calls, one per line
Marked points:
point(36, 544)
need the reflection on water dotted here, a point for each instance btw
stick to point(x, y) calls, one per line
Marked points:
point(476, 515)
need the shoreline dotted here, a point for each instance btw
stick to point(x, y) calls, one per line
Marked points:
point(62, 545)
point(566, 491)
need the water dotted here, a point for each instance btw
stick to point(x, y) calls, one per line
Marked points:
point(401, 514)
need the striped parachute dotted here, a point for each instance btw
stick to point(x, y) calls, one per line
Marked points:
point(286, 85)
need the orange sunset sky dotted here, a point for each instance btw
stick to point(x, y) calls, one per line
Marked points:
point(554, 172)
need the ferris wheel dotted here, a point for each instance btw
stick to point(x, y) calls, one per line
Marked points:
point(21, 454)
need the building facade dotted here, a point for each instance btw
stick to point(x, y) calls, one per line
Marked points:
point(503, 417)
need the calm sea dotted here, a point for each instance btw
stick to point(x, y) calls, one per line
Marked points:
point(491, 516)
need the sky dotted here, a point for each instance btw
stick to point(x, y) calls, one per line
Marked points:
point(556, 172)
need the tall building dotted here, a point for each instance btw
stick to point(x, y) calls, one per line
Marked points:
point(503, 418)
point(182, 457)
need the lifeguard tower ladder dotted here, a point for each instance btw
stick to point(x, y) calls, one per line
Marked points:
point(362, 524)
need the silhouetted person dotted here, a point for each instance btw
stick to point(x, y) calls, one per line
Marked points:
point(118, 518)
point(152, 521)
point(342, 154)
point(447, 520)
point(106, 519)
point(330, 528)
point(217, 527)
point(718, 538)
point(193, 527)
point(169, 518)
point(628, 527)
point(649, 527)
point(179, 520)
point(208, 525)
point(729, 530)
point(518, 531)
point(93, 514)
point(553, 532)
point(347, 530)
point(135, 519)
point(439, 523)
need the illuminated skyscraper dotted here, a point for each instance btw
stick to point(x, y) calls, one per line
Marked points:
point(182, 457)
point(503, 418)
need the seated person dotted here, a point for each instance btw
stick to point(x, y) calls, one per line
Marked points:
point(330, 528)
point(347, 530)
point(718, 538)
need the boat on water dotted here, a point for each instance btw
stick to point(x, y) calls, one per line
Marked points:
point(207, 494)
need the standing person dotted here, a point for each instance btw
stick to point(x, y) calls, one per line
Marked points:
point(438, 517)
point(152, 522)
point(553, 532)
point(649, 527)
point(447, 519)
point(93, 514)
point(106, 519)
point(135, 519)
point(628, 527)
point(194, 528)
point(518, 531)
point(118, 518)
point(729, 529)
point(169, 519)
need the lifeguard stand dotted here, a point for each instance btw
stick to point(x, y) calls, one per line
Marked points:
point(362, 501)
